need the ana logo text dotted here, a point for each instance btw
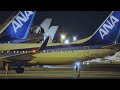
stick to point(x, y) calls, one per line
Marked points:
point(22, 17)
point(109, 24)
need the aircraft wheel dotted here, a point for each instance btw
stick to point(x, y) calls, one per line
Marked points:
point(19, 70)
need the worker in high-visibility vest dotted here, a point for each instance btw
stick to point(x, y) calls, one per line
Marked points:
point(6, 68)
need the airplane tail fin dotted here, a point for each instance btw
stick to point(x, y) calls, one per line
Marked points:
point(46, 24)
point(108, 32)
point(51, 32)
point(19, 26)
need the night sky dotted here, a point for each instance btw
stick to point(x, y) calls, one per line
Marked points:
point(77, 23)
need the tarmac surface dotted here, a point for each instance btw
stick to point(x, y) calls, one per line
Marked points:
point(60, 75)
point(104, 71)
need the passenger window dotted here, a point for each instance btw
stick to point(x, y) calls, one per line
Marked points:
point(7, 51)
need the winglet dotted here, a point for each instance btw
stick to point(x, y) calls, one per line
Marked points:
point(44, 44)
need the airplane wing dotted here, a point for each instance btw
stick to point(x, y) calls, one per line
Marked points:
point(26, 56)
point(112, 46)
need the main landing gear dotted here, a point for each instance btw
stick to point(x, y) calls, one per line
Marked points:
point(19, 69)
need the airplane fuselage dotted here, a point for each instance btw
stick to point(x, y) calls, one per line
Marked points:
point(69, 56)
point(54, 55)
